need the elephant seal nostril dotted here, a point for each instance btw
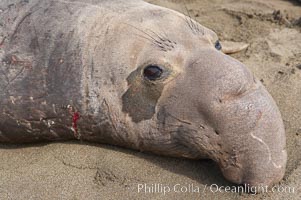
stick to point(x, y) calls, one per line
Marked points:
point(216, 132)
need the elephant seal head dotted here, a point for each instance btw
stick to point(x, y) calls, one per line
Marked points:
point(180, 95)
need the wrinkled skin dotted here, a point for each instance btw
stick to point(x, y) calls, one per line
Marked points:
point(205, 104)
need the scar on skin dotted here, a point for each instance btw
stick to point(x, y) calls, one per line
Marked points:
point(268, 148)
point(276, 166)
point(262, 142)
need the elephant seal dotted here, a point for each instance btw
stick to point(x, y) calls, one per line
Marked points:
point(136, 75)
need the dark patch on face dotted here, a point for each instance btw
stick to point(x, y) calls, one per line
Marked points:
point(140, 100)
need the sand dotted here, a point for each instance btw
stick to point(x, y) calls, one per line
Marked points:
point(92, 171)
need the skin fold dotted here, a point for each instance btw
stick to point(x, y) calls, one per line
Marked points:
point(135, 75)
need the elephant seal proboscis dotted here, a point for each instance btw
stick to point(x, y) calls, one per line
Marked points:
point(136, 75)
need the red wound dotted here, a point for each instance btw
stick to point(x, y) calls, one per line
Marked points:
point(74, 120)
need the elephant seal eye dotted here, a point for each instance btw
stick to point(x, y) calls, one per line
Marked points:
point(218, 45)
point(152, 72)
